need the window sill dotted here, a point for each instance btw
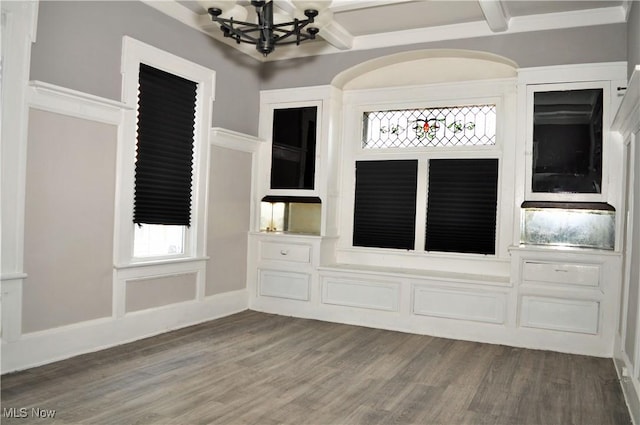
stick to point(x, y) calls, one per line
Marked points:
point(159, 262)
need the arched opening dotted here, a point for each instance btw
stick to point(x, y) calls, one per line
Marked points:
point(425, 67)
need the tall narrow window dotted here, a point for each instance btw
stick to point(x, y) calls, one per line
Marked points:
point(567, 141)
point(461, 205)
point(164, 161)
point(293, 152)
point(385, 204)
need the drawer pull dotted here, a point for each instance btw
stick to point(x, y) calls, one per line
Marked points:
point(284, 251)
point(562, 270)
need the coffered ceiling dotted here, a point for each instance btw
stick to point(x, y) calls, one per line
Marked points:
point(368, 24)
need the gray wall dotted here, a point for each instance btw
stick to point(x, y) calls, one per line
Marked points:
point(228, 221)
point(557, 47)
point(633, 37)
point(159, 291)
point(79, 46)
point(69, 212)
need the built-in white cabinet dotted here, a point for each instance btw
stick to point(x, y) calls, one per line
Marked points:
point(541, 289)
point(283, 270)
point(567, 291)
point(295, 189)
point(297, 163)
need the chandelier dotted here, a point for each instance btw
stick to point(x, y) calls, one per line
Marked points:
point(264, 32)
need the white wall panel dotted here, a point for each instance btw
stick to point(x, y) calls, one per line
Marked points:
point(560, 314)
point(282, 284)
point(460, 304)
point(364, 294)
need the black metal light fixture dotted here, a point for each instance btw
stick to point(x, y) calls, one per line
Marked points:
point(266, 34)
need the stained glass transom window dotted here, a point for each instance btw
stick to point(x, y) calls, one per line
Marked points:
point(472, 125)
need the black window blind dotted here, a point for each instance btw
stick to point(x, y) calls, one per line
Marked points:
point(461, 206)
point(164, 159)
point(385, 204)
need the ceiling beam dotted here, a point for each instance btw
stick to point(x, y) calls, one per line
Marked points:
point(336, 35)
point(626, 6)
point(347, 5)
point(495, 15)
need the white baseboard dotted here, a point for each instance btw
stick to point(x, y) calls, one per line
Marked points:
point(631, 396)
point(38, 348)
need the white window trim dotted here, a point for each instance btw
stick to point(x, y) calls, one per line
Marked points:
point(613, 74)
point(606, 134)
point(500, 92)
point(135, 52)
point(267, 134)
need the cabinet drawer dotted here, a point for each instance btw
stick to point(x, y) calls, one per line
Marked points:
point(286, 252)
point(562, 273)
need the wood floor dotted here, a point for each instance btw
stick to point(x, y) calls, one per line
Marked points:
point(256, 368)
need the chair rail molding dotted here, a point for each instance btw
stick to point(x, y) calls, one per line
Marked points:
point(230, 139)
point(61, 100)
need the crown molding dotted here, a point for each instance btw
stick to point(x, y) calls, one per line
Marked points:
point(338, 39)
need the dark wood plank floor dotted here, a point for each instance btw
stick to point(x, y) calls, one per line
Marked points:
point(255, 368)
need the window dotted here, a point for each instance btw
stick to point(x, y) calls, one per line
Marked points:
point(385, 204)
point(163, 154)
point(567, 141)
point(293, 151)
point(567, 129)
point(473, 125)
point(461, 209)
point(164, 162)
point(459, 188)
point(157, 240)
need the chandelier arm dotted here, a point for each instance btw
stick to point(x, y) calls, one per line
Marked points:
point(296, 23)
point(296, 31)
point(236, 32)
point(239, 35)
point(303, 37)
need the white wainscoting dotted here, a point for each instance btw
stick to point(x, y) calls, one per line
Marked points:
point(365, 294)
point(560, 314)
point(23, 350)
point(460, 304)
point(43, 347)
point(282, 284)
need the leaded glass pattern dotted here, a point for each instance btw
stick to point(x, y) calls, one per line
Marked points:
point(471, 125)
